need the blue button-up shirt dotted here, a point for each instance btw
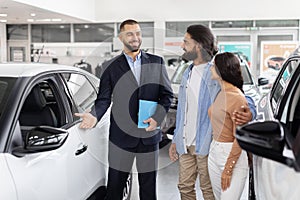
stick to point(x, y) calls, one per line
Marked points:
point(135, 65)
point(209, 90)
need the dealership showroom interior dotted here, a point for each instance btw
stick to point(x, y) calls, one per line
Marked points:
point(53, 60)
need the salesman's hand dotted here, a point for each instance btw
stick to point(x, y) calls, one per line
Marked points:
point(242, 116)
point(152, 124)
point(172, 152)
point(88, 120)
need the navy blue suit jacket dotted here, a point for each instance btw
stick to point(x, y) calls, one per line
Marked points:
point(119, 87)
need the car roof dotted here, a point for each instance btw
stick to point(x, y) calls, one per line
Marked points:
point(31, 69)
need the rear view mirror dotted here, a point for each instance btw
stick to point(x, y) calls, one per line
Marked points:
point(45, 138)
point(264, 139)
point(263, 81)
point(42, 138)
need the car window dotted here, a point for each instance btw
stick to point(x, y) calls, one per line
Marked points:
point(6, 85)
point(81, 90)
point(42, 107)
point(282, 82)
point(177, 77)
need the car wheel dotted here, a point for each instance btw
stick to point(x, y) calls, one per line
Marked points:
point(127, 188)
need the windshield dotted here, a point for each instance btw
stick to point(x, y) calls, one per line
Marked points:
point(246, 75)
point(176, 79)
point(6, 85)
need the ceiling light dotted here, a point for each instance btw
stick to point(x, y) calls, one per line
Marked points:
point(30, 20)
point(56, 20)
point(32, 14)
point(3, 20)
point(3, 15)
point(43, 20)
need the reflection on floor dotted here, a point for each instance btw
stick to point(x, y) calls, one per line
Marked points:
point(167, 180)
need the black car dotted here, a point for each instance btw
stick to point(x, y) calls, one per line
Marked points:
point(275, 138)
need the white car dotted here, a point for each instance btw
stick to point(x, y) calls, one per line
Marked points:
point(43, 152)
point(250, 88)
point(275, 138)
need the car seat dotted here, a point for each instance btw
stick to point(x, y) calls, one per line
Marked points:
point(35, 111)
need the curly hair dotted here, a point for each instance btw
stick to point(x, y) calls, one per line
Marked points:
point(229, 69)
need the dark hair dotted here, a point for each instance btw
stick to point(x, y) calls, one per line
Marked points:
point(229, 69)
point(203, 36)
point(128, 21)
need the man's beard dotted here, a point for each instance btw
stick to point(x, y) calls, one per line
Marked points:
point(192, 55)
point(133, 48)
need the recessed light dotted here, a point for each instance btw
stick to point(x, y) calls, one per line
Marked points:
point(32, 14)
point(43, 20)
point(56, 20)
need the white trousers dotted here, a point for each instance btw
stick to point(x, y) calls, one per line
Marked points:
point(219, 152)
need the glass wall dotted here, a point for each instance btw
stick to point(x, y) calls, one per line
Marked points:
point(147, 29)
point(17, 32)
point(50, 33)
point(177, 29)
point(93, 32)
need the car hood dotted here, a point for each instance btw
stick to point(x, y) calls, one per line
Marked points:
point(252, 92)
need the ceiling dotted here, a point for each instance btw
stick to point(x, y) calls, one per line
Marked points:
point(18, 13)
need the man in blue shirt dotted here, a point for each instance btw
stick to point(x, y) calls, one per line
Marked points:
point(193, 133)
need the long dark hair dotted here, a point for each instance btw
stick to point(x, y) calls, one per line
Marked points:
point(229, 69)
point(203, 36)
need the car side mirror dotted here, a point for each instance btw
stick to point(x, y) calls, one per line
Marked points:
point(265, 139)
point(263, 81)
point(42, 138)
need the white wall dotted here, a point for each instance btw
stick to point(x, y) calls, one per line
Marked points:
point(185, 10)
point(171, 10)
point(84, 9)
point(3, 46)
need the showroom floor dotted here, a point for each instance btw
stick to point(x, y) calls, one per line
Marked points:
point(167, 180)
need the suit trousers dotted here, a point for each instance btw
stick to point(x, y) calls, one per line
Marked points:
point(190, 166)
point(120, 165)
point(219, 152)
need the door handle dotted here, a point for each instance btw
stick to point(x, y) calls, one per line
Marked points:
point(81, 150)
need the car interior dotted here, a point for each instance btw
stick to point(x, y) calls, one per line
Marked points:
point(39, 109)
point(36, 111)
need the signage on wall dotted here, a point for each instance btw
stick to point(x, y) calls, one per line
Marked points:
point(244, 49)
point(17, 54)
point(273, 55)
point(172, 45)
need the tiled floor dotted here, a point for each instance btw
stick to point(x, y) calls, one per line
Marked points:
point(167, 180)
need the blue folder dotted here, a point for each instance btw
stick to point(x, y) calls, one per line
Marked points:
point(146, 110)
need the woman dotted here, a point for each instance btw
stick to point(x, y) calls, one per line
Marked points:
point(227, 163)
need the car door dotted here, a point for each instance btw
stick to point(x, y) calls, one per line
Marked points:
point(59, 172)
point(83, 88)
point(83, 91)
point(275, 142)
